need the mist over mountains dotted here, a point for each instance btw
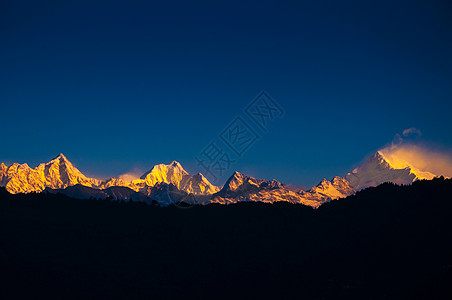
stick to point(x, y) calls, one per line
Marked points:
point(171, 183)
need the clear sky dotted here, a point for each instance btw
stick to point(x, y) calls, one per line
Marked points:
point(119, 86)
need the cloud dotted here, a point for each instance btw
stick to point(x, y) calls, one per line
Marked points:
point(411, 131)
point(409, 135)
point(132, 175)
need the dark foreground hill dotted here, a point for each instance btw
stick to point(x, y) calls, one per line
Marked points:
point(388, 242)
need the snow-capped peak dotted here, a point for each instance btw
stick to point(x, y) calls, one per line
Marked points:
point(56, 174)
point(384, 167)
point(175, 174)
point(235, 181)
point(397, 161)
point(239, 182)
point(61, 157)
point(327, 190)
point(172, 173)
point(176, 164)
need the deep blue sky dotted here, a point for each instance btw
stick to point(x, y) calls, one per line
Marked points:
point(123, 85)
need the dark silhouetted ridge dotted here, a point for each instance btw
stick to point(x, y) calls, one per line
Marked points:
point(387, 242)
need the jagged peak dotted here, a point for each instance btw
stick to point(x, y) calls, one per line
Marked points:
point(18, 165)
point(238, 179)
point(175, 164)
point(338, 180)
point(385, 161)
point(158, 168)
point(378, 157)
point(237, 174)
point(60, 157)
point(234, 181)
point(200, 177)
point(379, 154)
point(275, 184)
point(384, 166)
point(323, 182)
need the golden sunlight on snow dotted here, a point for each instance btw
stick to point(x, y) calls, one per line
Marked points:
point(424, 163)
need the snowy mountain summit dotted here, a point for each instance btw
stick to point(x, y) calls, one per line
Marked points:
point(176, 175)
point(58, 173)
point(382, 168)
point(326, 190)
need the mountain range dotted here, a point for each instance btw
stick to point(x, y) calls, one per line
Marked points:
point(170, 183)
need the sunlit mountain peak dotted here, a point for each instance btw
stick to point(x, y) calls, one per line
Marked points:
point(389, 165)
point(172, 173)
point(401, 159)
point(56, 174)
point(61, 156)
